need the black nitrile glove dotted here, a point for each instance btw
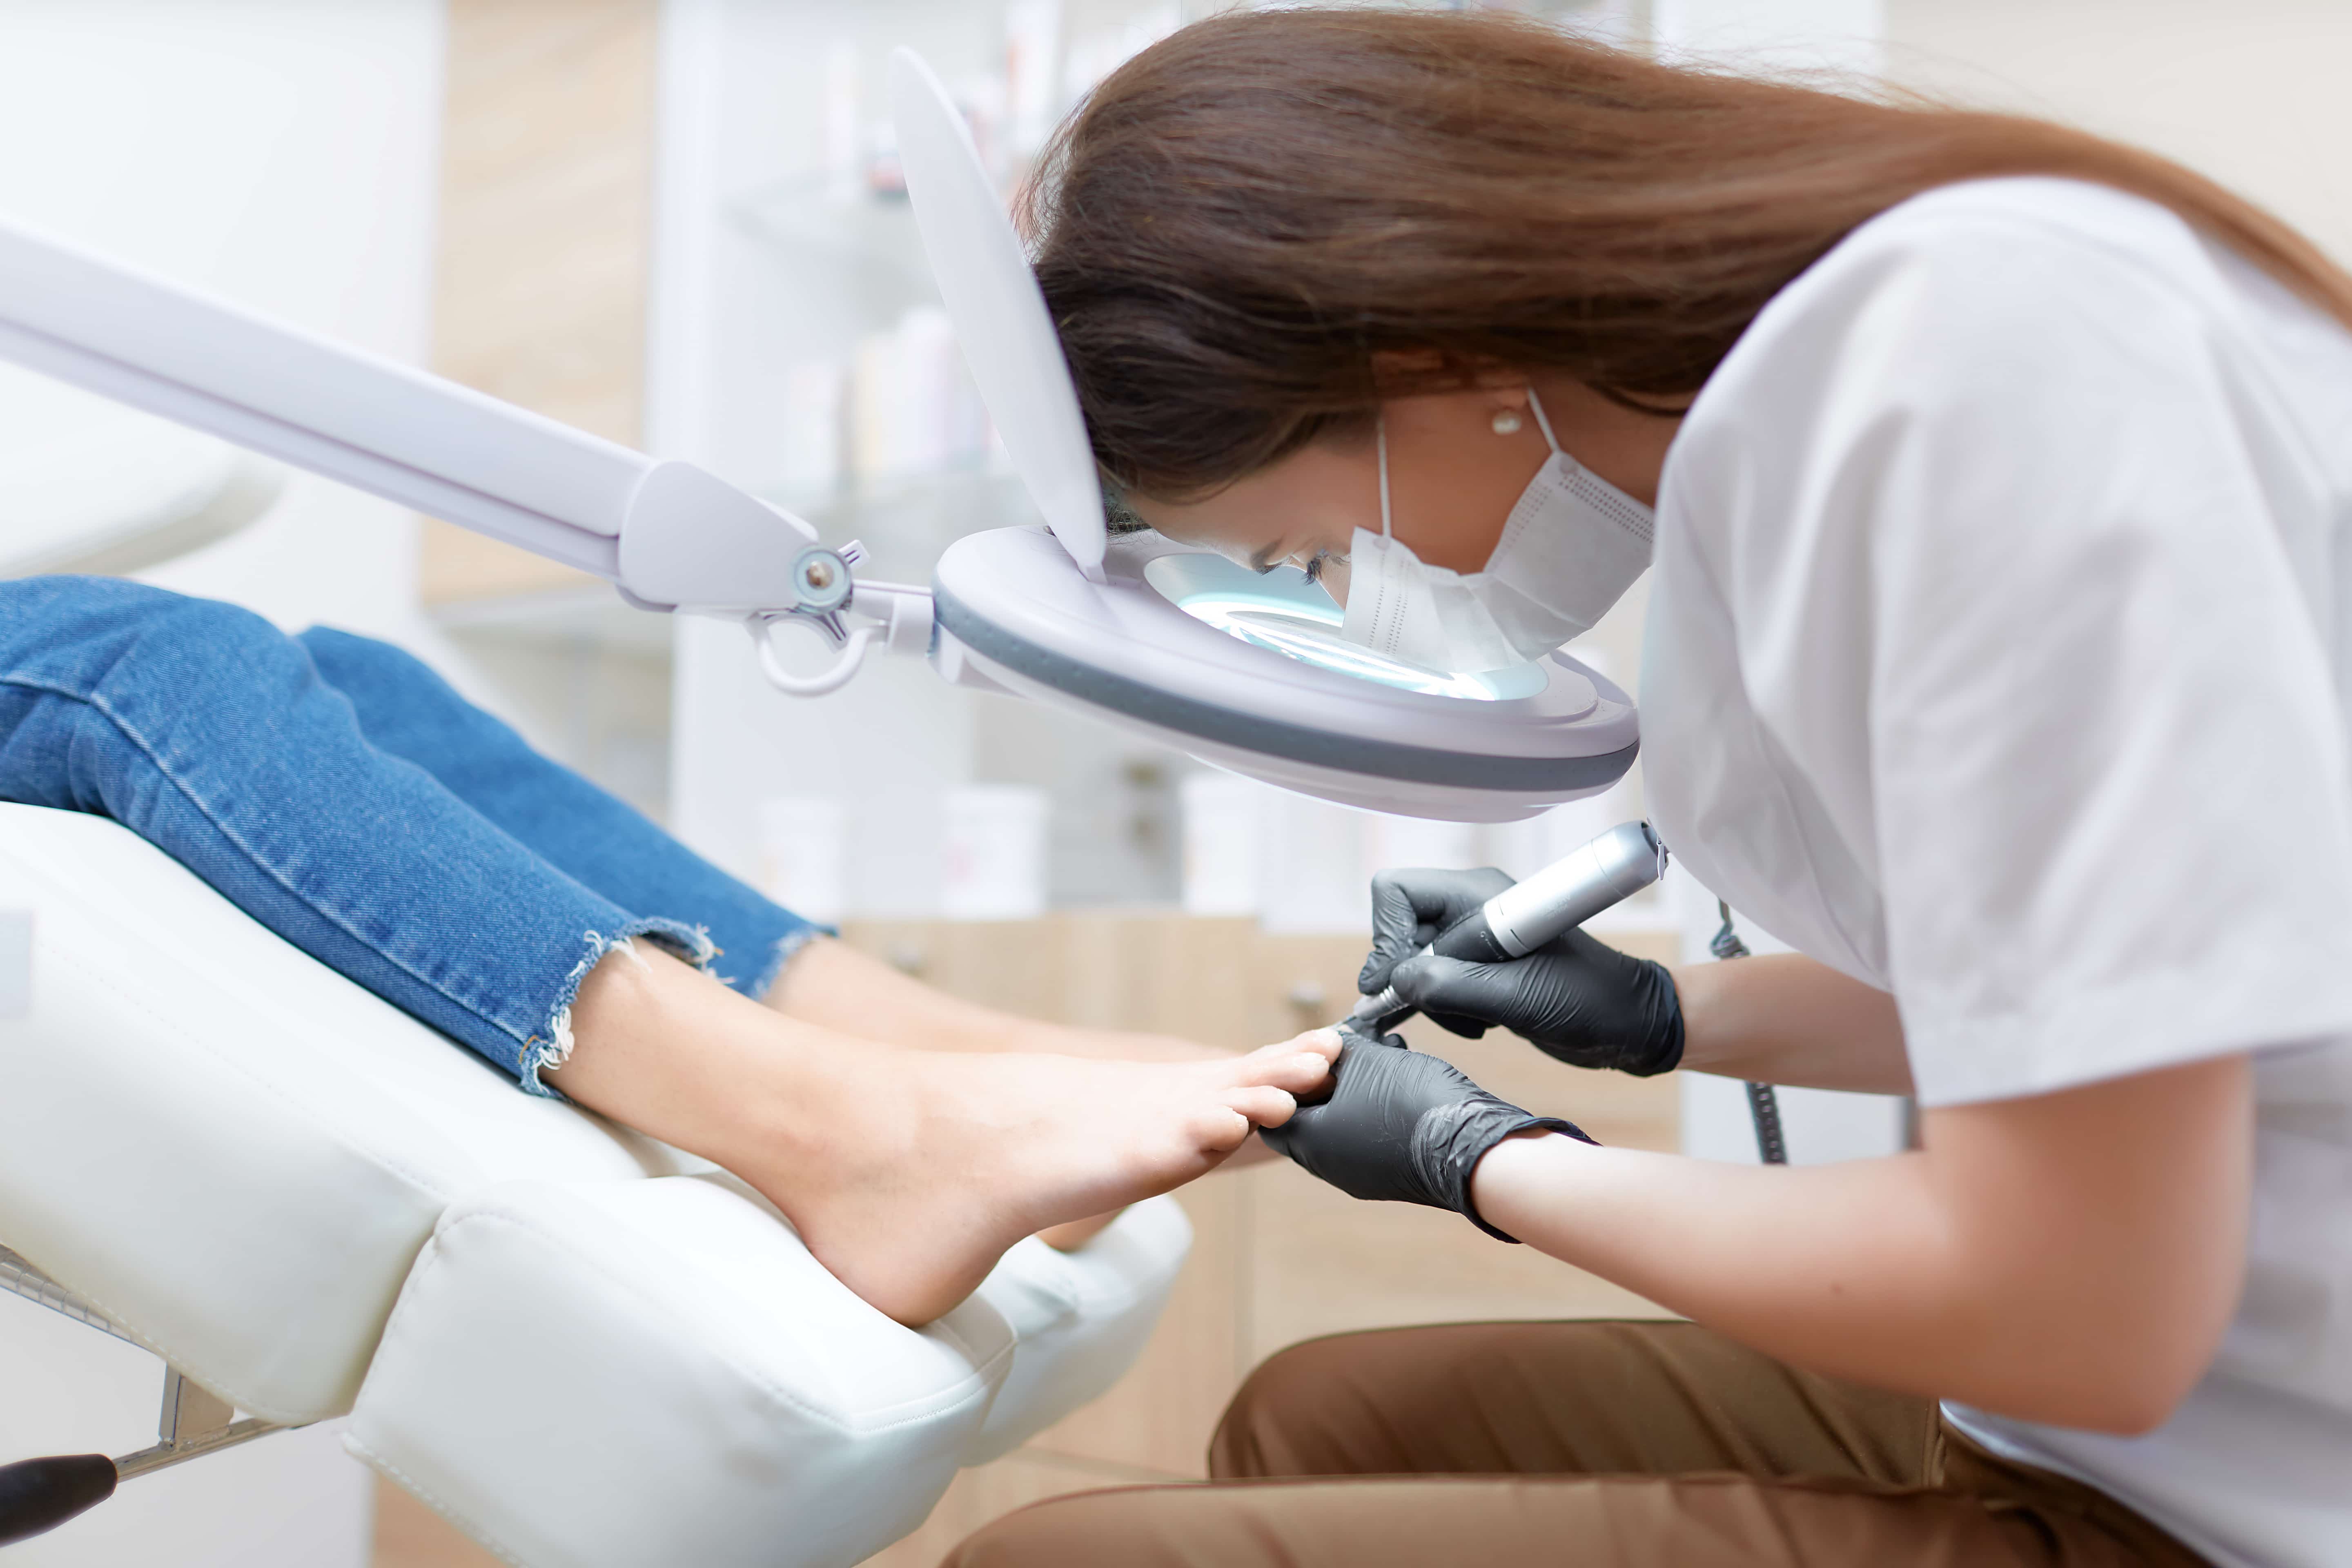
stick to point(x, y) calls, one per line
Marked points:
point(1403, 1126)
point(1575, 998)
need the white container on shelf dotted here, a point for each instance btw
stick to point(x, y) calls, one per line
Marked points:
point(943, 423)
point(808, 459)
point(1223, 817)
point(992, 852)
point(877, 405)
point(913, 409)
point(1032, 54)
point(803, 855)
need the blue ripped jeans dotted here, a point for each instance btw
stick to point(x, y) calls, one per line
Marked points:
point(340, 793)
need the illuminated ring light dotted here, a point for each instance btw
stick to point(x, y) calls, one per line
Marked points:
point(1249, 673)
point(1284, 611)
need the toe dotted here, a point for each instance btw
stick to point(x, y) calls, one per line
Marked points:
point(1286, 1068)
point(1294, 1063)
point(1324, 1043)
point(1264, 1105)
point(1220, 1131)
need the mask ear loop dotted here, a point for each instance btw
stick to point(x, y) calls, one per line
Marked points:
point(1535, 406)
point(1380, 444)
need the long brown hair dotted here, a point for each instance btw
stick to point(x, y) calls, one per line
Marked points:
point(1242, 216)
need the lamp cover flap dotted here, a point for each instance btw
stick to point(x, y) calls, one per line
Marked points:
point(999, 311)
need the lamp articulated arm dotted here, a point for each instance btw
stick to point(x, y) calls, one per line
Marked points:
point(667, 535)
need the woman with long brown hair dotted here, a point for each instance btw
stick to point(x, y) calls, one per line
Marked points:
point(1996, 486)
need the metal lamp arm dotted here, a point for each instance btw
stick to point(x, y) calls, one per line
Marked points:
point(668, 534)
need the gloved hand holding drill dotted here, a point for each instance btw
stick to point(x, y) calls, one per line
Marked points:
point(1574, 998)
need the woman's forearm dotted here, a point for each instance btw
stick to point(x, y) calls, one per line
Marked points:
point(2069, 1258)
point(1783, 1018)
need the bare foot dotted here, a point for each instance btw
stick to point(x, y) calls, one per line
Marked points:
point(908, 1172)
point(1254, 1151)
point(1078, 1232)
point(928, 1181)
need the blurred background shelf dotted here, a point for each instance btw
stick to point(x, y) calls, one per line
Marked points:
point(590, 613)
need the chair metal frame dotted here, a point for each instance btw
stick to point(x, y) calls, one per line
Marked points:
point(38, 1495)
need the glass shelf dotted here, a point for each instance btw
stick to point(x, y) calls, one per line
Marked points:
point(804, 215)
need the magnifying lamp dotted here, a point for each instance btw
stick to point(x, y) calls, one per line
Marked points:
point(1244, 671)
point(1188, 647)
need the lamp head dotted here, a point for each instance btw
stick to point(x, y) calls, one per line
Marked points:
point(1244, 670)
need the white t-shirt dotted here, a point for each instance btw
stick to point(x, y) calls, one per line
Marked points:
point(2001, 656)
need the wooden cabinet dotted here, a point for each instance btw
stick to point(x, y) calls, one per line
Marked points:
point(540, 292)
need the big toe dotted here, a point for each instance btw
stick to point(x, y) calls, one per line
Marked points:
point(1294, 1066)
point(1324, 1042)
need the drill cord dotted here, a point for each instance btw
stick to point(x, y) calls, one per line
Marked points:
point(1763, 1105)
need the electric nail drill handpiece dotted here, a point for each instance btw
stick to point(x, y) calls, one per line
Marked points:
point(1526, 915)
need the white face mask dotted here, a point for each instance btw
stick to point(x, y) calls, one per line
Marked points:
point(1573, 545)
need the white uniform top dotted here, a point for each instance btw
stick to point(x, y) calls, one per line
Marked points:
point(2001, 656)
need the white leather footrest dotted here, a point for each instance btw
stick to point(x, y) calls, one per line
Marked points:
point(646, 1374)
point(1081, 1319)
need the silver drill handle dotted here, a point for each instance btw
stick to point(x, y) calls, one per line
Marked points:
point(1575, 888)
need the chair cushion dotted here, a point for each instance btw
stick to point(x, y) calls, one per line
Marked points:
point(1081, 1319)
point(589, 1375)
point(235, 1152)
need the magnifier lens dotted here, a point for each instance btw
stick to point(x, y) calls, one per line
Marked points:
point(1285, 612)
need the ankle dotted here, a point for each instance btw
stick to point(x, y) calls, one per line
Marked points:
point(663, 1048)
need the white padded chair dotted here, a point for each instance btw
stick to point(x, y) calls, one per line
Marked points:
point(584, 1349)
point(580, 1347)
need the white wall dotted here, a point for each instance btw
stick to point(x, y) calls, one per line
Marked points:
point(1774, 35)
point(282, 152)
point(2252, 92)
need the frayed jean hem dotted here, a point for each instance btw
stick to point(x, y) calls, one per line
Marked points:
point(551, 1046)
point(787, 947)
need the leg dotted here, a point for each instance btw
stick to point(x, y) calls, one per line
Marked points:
point(201, 728)
point(1574, 1398)
point(1601, 1444)
point(760, 948)
point(598, 840)
point(908, 1172)
point(406, 710)
point(209, 733)
point(1714, 1520)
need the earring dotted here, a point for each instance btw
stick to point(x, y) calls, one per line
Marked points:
point(1505, 422)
